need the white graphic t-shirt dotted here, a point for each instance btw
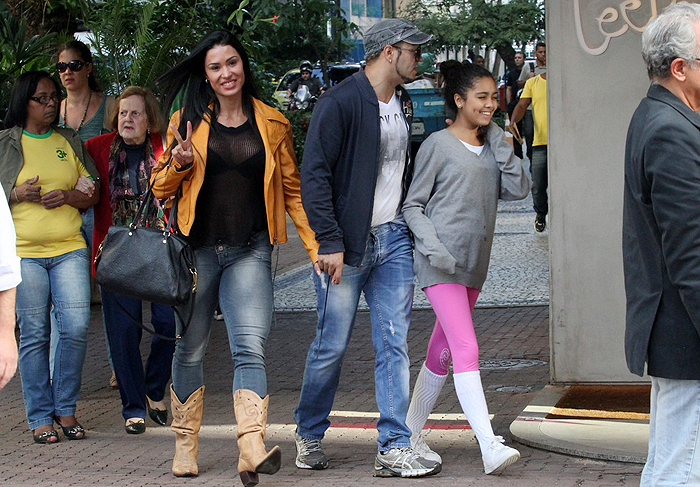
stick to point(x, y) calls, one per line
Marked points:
point(392, 161)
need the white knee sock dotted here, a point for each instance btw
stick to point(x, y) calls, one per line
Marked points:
point(471, 397)
point(425, 393)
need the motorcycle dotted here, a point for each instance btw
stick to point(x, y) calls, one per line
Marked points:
point(302, 99)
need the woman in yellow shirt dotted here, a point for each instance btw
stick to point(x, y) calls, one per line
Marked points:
point(40, 167)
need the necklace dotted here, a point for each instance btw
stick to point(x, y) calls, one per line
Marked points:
point(82, 121)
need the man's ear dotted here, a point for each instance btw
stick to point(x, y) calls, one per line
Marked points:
point(678, 68)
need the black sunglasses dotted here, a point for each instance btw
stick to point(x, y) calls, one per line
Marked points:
point(75, 66)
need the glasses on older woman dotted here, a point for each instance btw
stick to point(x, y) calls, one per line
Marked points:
point(75, 65)
point(45, 99)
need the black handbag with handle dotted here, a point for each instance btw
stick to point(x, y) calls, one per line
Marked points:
point(149, 264)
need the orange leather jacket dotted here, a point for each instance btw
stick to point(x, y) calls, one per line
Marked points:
point(282, 184)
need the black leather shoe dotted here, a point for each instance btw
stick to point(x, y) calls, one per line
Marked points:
point(135, 428)
point(159, 416)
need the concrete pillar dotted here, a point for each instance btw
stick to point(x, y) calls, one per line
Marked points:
point(596, 78)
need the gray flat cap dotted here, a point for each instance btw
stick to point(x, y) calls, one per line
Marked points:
point(391, 31)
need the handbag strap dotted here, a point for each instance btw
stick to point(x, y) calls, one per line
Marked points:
point(177, 336)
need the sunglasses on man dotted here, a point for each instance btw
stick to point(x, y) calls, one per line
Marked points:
point(75, 66)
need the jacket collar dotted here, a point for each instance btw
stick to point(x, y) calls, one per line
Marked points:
point(659, 93)
point(371, 96)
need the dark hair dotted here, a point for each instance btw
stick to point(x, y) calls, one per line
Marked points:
point(24, 88)
point(155, 119)
point(459, 79)
point(187, 78)
point(519, 52)
point(86, 57)
point(540, 44)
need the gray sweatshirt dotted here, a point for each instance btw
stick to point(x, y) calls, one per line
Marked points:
point(451, 205)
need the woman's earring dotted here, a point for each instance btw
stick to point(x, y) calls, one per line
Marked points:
point(206, 80)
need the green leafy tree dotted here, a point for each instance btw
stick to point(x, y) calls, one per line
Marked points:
point(20, 52)
point(474, 23)
point(136, 41)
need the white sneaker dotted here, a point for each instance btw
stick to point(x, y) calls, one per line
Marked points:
point(499, 456)
point(421, 447)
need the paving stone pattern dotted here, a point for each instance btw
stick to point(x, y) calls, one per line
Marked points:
point(518, 274)
point(515, 352)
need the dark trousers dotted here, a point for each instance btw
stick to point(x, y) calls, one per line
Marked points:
point(124, 342)
point(528, 132)
point(538, 168)
point(517, 148)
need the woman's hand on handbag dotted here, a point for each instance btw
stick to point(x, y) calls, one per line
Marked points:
point(182, 152)
point(28, 191)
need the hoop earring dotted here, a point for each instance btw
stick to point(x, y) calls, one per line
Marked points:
point(206, 80)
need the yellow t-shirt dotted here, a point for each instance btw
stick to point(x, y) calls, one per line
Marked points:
point(40, 232)
point(536, 89)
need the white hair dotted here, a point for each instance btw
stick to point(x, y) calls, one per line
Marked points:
point(669, 36)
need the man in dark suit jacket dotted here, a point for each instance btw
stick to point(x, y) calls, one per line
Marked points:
point(661, 244)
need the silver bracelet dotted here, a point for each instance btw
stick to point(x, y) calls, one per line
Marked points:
point(14, 190)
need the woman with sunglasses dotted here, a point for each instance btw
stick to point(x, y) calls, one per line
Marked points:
point(232, 156)
point(48, 177)
point(86, 110)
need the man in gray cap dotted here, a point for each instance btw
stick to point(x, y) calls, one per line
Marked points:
point(355, 173)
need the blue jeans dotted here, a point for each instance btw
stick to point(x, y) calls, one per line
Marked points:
point(124, 342)
point(240, 279)
point(63, 281)
point(674, 439)
point(386, 278)
point(538, 168)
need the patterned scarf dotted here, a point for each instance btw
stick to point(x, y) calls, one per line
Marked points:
point(123, 201)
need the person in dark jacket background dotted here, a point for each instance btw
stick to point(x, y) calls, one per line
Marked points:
point(661, 244)
point(354, 177)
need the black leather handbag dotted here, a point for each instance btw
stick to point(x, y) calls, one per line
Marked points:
point(149, 264)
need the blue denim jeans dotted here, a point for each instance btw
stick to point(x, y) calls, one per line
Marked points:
point(63, 281)
point(674, 439)
point(124, 342)
point(538, 168)
point(240, 279)
point(386, 278)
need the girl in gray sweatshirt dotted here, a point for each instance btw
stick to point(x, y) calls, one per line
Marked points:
point(460, 174)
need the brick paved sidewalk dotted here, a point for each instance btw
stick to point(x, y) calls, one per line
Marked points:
point(515, 352)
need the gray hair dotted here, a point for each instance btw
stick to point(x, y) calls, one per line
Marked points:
point(669, 36)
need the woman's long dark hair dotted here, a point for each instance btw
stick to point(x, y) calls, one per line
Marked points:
point(460, 78)
point(86, 57)
point(23, 89)
point(188, 78)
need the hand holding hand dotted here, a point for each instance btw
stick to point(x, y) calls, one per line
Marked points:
point(182, 152)
point(85, 185)
point(29, 191)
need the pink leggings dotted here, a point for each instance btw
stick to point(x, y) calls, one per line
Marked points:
point(453, 337)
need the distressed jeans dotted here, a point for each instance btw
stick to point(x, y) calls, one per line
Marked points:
point(674, 442)
point(386, 278)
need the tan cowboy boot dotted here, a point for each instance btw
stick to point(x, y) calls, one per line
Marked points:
point(187, 419)
point(251, 417)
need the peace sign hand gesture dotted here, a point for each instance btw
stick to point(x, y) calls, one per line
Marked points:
point(182, 152)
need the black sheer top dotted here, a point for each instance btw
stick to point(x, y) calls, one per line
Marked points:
point(231, 205)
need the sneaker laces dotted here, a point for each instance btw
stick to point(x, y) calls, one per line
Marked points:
point(405, 457)
point(309, 446)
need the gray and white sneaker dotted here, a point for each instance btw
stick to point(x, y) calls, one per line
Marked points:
point(422, 449)
point(310, 454)
point(403, 462)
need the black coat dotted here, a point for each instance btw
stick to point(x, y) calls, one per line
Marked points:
point(341, 164)
point(661, 238)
